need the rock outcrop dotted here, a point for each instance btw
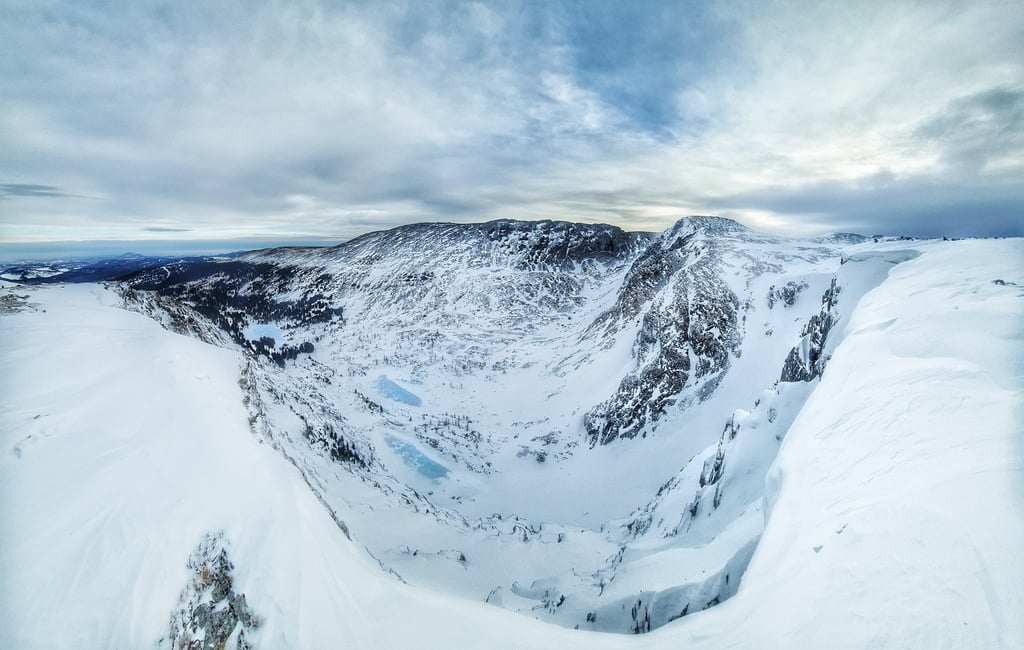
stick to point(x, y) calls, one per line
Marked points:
point(210, 614)
point(806, 360)
point(689, 328)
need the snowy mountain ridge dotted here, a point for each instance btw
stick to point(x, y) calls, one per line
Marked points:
point(569, 421)
point(598, 335)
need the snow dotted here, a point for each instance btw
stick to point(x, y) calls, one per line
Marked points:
point(111, 475)
point(905, 470)
point(890, 517)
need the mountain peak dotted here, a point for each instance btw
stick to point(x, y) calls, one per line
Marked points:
point(711, 225)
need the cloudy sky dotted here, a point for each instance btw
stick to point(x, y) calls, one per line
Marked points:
point(190, 120)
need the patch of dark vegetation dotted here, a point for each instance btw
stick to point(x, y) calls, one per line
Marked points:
point(235, 293)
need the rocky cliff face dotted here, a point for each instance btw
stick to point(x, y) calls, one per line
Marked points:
point(807, 359)
point(689, 327)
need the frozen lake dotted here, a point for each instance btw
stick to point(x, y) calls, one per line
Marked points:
point(259, 330)
point(393, 391)
point(415, 458)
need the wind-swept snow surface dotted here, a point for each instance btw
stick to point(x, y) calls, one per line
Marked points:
point(896, 505)
point(124, 446)
point(892, 511)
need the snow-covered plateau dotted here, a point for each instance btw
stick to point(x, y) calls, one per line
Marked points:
point(521, 435)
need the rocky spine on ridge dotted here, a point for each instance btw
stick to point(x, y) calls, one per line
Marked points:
point(807, 360)
point(689, 327)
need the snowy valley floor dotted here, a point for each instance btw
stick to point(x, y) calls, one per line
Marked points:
point(894, 507)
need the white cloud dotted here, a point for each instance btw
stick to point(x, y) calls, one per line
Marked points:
point(216, 118)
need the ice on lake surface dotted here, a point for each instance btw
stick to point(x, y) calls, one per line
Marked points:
point(259, 330)
point(391, 390)
point(415, 458)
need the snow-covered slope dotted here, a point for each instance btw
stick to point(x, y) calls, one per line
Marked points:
point(484, 404)
point(894, 508)
point(124, 447)
point(911, 439)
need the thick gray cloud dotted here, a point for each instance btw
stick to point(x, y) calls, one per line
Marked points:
point(978, 130)
point(316, 119)
point(164, 229)
point(11, 190)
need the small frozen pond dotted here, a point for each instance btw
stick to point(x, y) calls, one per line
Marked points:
point(391, 390)
point(259, 330)
point(416, 459)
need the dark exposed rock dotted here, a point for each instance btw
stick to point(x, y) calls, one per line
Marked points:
point(641, 616)
point(522, 244)
point(713, 467)
point(209, 610)
point(786, 294)
point(731, 428)
point(11, 303)
point(559, 243)
point(639, 525)
point(807, 361)
point(686, 335)
point(695, 506)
